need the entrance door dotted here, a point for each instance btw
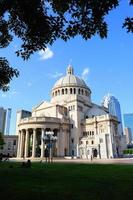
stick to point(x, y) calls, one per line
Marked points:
point(94, 151)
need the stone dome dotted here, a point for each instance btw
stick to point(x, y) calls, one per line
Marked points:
point(70, 80)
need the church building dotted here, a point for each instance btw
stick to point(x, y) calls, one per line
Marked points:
point(82, 128)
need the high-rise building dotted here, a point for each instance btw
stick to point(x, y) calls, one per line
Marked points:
point(113, 105)
point(2, 119)
point(20, 115)
point(5, 118)
point(8, 120)
point(128, 121)
point(128, 134)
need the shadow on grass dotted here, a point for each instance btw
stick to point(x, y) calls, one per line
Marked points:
point(66, 181)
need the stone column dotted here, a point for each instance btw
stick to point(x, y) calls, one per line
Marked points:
point(110, 140)
point(58, 144)
point(19, 141)
point(34, 144)
point(26, 143)
point(77, 149)
point(42, 143)
point(61, 142)
point(21, 144)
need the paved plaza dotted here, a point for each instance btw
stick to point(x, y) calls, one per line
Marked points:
point(75, 160)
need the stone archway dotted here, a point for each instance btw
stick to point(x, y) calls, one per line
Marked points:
point(95, 153)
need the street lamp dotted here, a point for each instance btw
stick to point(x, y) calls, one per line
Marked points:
point(49, 138)
point(99, 150)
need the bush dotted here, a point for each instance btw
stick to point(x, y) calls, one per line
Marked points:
point(128, 151)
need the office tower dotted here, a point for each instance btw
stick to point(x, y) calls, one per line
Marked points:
point(20, 115)
point(2, 119)
point(5, 119)
point(128, 121)
point(128, 134)
point(113, 105)
point(8, 120)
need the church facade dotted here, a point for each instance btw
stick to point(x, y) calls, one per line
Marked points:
point(82, 128)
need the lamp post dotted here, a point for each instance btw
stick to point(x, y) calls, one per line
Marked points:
point(49, 138)
point(99, 150)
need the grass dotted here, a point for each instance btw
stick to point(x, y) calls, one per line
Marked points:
point(66, 181)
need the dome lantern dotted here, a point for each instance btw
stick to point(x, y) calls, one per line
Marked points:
point(70, 70)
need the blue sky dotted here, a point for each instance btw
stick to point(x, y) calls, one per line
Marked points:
point(107, 65)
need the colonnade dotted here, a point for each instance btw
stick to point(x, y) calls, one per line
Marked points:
point(31, 142)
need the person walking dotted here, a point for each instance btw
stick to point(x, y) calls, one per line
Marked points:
point(46, 153)
point(91, 158)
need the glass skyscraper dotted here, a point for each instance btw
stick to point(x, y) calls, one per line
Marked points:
point(2, 119)
point(128, 121)
point(113, 105)
point(5, 118)
point(8, 119)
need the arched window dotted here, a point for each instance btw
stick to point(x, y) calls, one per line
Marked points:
point(62, 91)
point(72, 140)
point(66, 91)
point(82, 91)
point(74, 91)
point(85, 92)
point(70, 90)
point(55, 93)
point(92, 142)
point(79, 91)
point(58, 92)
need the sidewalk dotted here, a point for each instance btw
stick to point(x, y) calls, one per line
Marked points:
point(77, 160)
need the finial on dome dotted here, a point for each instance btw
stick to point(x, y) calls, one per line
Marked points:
point(70, 70)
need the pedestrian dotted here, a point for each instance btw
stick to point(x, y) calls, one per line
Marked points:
point(91, 158)
point(28, 164)
point(46, 152)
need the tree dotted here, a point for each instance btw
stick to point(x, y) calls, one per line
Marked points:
point(6, 74)
point(39, 23)
point(1, 141)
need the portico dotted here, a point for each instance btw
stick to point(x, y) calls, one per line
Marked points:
point(31, 142)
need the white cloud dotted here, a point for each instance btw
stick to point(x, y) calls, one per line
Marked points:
point(14, 92)
point(44, 55)
point(55, 75)
point(10, 94)
point(29, 84)
point(85, 73)
point(3, 95)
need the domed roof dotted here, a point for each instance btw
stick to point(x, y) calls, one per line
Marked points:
point(70, 80)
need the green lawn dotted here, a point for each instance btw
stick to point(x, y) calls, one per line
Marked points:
point(66, 181)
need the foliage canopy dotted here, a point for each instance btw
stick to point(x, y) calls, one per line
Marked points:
point(39, 23)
